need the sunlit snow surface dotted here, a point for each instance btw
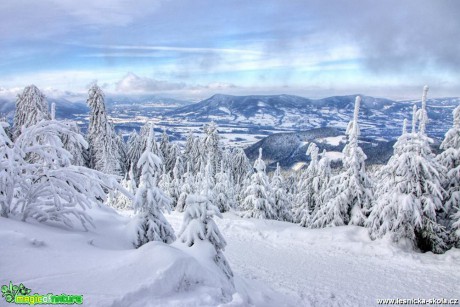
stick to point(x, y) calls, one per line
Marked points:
point(275, 264)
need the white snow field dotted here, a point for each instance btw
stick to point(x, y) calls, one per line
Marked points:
point(275, 264)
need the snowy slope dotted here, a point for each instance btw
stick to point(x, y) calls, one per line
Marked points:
point(102, 265)
point(337, 266)
point(275, 264)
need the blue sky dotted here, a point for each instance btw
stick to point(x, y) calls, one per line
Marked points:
point(192, 49)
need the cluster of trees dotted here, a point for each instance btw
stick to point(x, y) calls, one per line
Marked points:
point(40, 175)
point(414, 198)
point(52, 173)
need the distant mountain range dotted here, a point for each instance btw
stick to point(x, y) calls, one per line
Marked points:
point(246, 119)
point(378, 117)
point(68, 105)
point(64, 107)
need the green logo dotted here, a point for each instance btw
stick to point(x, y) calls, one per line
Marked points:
point(21, 295)
point(10, 292)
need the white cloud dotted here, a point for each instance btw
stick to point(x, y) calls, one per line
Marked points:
point(174, 49)
point(43, 19)
point(104, 12)
point(132, 83)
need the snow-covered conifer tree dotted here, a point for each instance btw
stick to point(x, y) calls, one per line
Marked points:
point(104, 148)
point(72, 145)
point(321, 182)
point(211, 146)
point(176, 182)
point(31, 108)
point(450, 159)
point(173, 158)
point(187, 188)
point(307, 196)
point(348, 197)
point(48, 188)
point(241, 166)
point(119, 200)
point(223, 190)
point(123, 153)
point(138, 147)
point(241, 196)
point(132, 148)
point(206, 181)
point(291, 184)
point(188, 147)
point(226, 160)
point(165, 182)
point(165, 148)
point(409, 195)
point(76, 149)
point(258, 202)
point(150, 200)
point(198, 228)
point(9, 171)
point(281, 204)
point(197, 156)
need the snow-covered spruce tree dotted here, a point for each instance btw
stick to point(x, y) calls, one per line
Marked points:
point(291, 184)
point(103, 145)
point(349, 194)
point(197, 156)
point(76, 149)
point(188, 148)
point(165, 182)
point(281, 204)
point(187, 188)
point(123, 152)
point(198, 228)
point(118, 200)
point(211, 147)
point(165, 148)
point(48, 188)
point(307, 196)
point(450, 159)
point(111, 155)
point(9, 171)
point(206, 181)
point(312, 184)
point(258, 202)
point(73, 146)
point(409, 194)
point(135, 150)
point(173, 158)
point(176, 182)
point(150, 200)
point(321, 182)
point(241, 167)
point(138, 147)
point(241, 196)
point(223, 190)
point(131, 145)
point(31, 108)
point(7, 128)
point(226, 160)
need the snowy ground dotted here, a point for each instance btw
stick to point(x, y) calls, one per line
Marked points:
point(335, 266)
point(275, 263)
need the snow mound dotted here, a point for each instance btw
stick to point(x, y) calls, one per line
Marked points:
point(102, 265)
point(177, 280)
